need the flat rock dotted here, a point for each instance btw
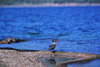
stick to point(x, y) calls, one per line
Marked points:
point(30, 58)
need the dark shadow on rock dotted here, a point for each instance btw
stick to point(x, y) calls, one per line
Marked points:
point(19, 50)
point(53, 51)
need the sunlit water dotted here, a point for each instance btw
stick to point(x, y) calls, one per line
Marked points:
point(76, 28)
point(94, 63)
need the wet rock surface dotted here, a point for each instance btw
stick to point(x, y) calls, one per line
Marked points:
point(11, 40)
point(31, 58)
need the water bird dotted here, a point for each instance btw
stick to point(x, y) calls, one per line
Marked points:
point(52, 46)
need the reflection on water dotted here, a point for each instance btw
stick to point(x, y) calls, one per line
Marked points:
point(51, 62)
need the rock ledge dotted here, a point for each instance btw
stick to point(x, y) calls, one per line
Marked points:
point(30, 58)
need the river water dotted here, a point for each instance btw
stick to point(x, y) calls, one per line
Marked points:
point(76, 28)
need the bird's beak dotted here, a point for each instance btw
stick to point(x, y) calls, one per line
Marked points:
point(56, 40)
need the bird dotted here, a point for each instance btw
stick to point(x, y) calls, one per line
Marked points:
point(52, 46)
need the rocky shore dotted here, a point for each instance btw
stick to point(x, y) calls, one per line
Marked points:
point(11, 40)
point(31, 58)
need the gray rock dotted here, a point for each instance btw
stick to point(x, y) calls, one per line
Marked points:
point(19, 40)
point(14, 40)
point(4, 42)
point(9, 40)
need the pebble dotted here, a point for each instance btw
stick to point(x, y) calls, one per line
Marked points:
point(12, 58)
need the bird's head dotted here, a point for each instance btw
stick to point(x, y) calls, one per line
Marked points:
point(55, 40)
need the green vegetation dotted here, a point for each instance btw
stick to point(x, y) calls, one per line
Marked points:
point(34, 2)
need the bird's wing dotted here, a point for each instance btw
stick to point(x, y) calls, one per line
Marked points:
point(51, 46)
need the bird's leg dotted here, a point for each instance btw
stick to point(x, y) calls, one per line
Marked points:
point(53, 51)
point(50, 51)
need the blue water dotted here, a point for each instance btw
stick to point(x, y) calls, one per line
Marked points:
point(76, 28)
point(94, 63)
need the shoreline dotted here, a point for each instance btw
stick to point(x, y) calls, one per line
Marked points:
point(23, 58)
point(53, 5)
